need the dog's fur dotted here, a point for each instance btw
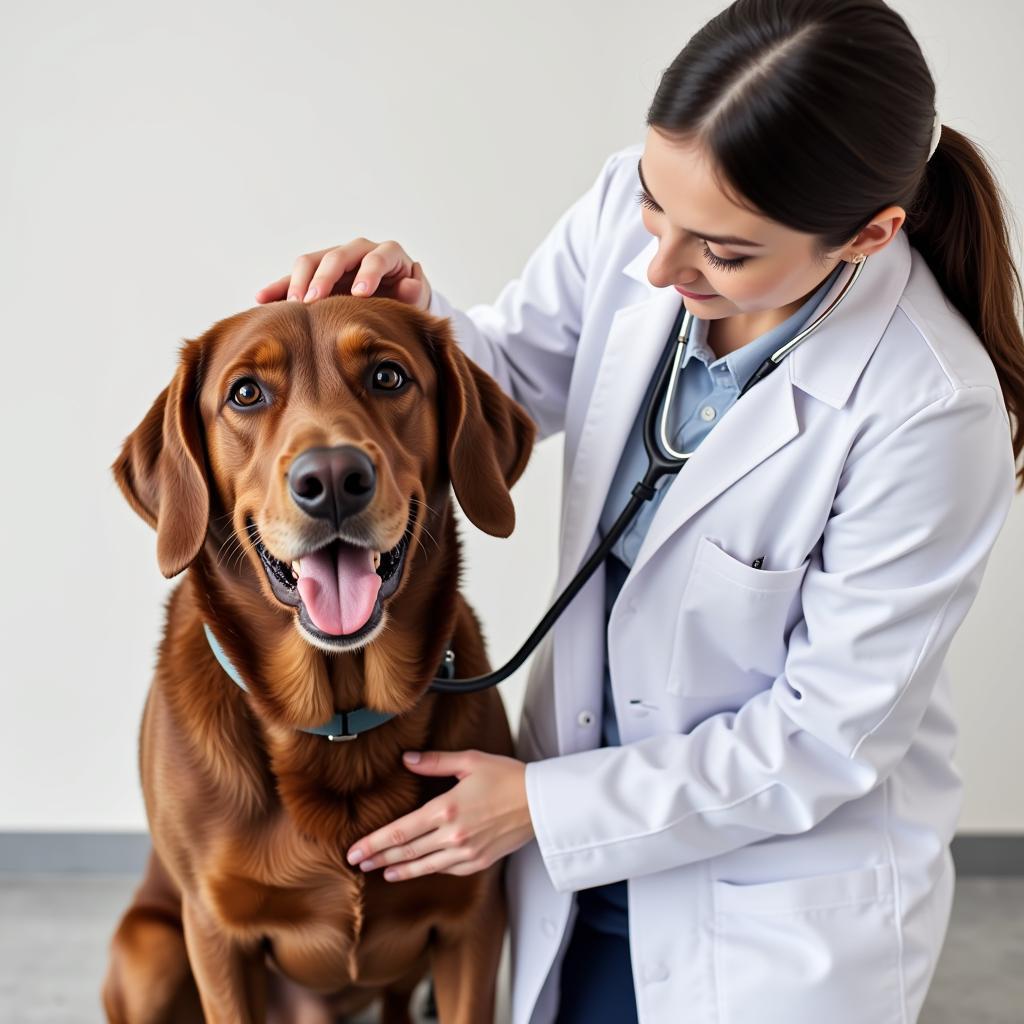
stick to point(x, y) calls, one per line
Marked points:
point(248, 906)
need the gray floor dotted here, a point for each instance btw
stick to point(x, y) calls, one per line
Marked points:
point(54, 930)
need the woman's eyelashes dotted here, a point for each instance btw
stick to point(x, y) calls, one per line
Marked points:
point(716, 261)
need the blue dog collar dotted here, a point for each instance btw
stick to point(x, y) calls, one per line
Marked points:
point(345, 725)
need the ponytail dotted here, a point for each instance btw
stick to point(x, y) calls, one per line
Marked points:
point(959, 223)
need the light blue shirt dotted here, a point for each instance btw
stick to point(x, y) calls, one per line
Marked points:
point(706, 387)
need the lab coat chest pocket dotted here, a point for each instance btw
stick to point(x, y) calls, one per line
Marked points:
point(733, 624)
point(807, 950)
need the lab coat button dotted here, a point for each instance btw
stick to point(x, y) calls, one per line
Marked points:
point(708, 413)
point(655, 972)
point(585, 718)
point(548, 926)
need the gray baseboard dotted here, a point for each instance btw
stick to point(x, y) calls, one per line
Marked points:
point(999, 855)
point(73, 853)
point(124, 853)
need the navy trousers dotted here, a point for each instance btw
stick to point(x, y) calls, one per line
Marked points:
point(596, 979)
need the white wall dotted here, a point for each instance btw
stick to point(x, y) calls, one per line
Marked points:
point(158, 168)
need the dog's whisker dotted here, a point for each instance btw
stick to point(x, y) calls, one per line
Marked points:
point(241, 555)
point(426, 533)
point(228, 556)
point(426, 505)
point(230, 538)
point(222, 556)
point(430, 536)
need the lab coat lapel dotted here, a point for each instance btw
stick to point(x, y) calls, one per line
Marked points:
point(751, 430)
point(635, 341)
point(826, 367)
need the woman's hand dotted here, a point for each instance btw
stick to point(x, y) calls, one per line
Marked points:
point(478, 821)
point(384, 268)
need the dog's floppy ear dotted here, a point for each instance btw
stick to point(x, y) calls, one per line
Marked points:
point(488, 436)
point(161, 468)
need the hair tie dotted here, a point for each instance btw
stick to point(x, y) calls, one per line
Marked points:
point(936, 132)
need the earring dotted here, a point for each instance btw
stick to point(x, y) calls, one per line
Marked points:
point(859, 258)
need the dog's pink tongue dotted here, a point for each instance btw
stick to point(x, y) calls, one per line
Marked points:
point(339, 594)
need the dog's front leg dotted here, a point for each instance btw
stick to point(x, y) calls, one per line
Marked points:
point(465, 955)
point(232, 980)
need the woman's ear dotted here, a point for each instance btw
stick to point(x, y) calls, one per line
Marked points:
point(877, 233)
point(488, 436)
point(161, 468)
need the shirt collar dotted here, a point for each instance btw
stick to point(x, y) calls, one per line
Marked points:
point(744, 361)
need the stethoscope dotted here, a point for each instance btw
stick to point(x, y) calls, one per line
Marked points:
point(662, 460)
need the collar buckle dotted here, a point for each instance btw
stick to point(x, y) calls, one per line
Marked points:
point(345, 734)
point(447, 670)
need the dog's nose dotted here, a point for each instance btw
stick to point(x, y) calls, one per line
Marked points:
point(332, 483)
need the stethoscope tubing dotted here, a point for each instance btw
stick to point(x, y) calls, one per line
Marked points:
point(659, 465)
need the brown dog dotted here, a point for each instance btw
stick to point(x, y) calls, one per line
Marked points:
point(321, 437)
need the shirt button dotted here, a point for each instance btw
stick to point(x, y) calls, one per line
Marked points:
point(547, 926)
point(708, 413)
point(585, 718)
point(655, 972)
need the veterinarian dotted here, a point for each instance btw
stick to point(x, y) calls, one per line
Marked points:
point(734, 790)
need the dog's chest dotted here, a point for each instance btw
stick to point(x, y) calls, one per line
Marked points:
point(326, 924)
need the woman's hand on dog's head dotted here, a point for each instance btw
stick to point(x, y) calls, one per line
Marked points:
point(384, 268)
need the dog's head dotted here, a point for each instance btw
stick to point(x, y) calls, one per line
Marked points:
point(319, 437)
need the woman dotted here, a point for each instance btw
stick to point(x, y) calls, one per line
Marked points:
point(750, 820)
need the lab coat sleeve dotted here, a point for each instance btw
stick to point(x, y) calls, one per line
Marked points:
point(527, 339)
point(903, 552)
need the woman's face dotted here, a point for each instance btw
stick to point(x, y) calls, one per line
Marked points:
point(771, 268)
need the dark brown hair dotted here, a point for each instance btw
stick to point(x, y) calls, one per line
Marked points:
point(765, 76)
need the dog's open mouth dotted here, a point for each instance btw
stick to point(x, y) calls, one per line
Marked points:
point(339, 587)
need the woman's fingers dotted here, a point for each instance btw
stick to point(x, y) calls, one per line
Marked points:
point(414, 289)
point(387, 260)
point(438, 850)
point(334, 272)
point(433, 841)
point(359, 267)
point(275, 291)
point(451, 861)
point(396, 839)
point(389, 271)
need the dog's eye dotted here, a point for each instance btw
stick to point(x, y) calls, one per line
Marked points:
point(389, 376)
point(246, 393)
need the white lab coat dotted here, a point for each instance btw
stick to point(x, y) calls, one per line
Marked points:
point(784, 795)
